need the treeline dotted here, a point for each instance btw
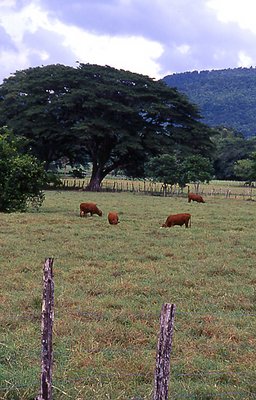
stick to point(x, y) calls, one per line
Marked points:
point(225, 97)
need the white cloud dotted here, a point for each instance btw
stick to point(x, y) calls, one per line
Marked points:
point(144, 36)
point(183, 49)
point(244, 60)
point(127, 52)
point(12, 61)
point(7, 3)
point(133, 53)
point(240, 11)
point(16, 24)
point(27, 19)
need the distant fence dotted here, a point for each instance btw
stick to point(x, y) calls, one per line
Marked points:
point(158, 189)
point(163, 352)
point(143, 187)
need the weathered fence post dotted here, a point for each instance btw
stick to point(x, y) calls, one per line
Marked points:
point(164, 347)
point(46, 329)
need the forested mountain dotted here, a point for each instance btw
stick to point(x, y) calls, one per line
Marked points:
point(225, 97)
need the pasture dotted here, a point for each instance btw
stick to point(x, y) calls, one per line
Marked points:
point(110, 284)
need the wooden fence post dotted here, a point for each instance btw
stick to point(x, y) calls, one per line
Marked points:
point(164, 347)
point(46, 330)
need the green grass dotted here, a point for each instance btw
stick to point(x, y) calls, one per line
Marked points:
point(110, 284)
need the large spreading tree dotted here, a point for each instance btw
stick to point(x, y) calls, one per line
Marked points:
point(112, 118)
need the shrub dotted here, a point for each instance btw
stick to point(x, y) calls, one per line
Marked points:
point(22, 176)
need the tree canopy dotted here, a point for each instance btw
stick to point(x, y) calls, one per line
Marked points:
point(245, 169)
point(171, 170)
point(231, 146)
point(197, 169)
point(22, 177)
point(167, 169)
point(112, 118)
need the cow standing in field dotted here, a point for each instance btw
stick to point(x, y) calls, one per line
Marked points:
point(113, 218)
point(178, 219)
point(89, 208)
point(195, 197)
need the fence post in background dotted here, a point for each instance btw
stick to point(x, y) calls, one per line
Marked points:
point(46, 329)
point(164, 347)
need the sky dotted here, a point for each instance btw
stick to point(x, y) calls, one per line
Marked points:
point(150, 37)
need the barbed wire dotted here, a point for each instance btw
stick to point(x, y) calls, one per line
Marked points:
point(146, 315)
point(175, 375)
point(104, 315)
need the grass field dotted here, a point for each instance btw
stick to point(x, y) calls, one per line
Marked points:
point(110, 284)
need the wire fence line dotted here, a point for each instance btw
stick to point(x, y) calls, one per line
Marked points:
point(93, 374)
point(158, 189)
point(108, 351)
point(120, 374)
point(107, 316)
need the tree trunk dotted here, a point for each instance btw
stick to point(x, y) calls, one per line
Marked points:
point(99, 171)
point(95, 182)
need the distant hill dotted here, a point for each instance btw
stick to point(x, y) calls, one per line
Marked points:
point(224, 97)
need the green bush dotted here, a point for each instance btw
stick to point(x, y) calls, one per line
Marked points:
point(22, 177)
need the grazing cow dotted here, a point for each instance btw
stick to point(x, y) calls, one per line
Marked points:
point(195, 197)
point(178, 219)
point(89, 208)
point(113, 218)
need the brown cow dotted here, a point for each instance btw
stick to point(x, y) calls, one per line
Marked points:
point(178, 219)
point(89, 208)
point(195, 197)
point(113, 218)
